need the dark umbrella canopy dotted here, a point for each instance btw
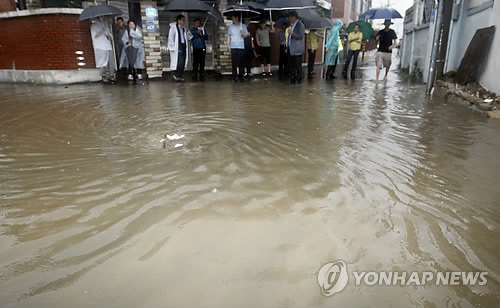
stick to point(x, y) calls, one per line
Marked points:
point(254, 5)
point(380, 13)
point(188, 6)
point(312, 20)
point(194, 6)
point(280, 5)
point(216, 15)
point(240, 10)
point(99, 10)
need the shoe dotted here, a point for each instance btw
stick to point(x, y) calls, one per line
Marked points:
point(353, 74)
point(263, 74)
point(181, 79)
point(270, 74)
point(139, 76)
point(236, 80)
point(130, 77)
point(176, 78)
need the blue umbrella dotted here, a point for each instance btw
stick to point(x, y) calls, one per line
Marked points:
point(380, 13)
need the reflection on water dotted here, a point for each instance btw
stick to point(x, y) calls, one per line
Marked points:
point(272, 181)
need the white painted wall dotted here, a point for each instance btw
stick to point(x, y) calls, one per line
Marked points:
point(461, 33)
point(490, 69)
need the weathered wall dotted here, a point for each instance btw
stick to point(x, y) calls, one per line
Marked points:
point(462, 32)
point(415, 52)
point(491, 66)
point(40, 40)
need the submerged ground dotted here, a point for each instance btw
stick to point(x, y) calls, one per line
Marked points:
point(271, 182)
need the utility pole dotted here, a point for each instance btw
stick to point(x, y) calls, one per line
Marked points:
point(448, 9)
point(435, 47)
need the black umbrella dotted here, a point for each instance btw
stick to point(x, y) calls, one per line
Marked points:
point(99, 10)
point(131, 53)
point(279, 5)
point(188, 6)
point(254, 5)
point(243, 11)
point(282, 5)
point(312, 20)
point(194, 6)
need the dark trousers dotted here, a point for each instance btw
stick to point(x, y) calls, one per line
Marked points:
point(283, 60)
point(295, 67)
point(330, 71)
point(237, 59)
point(350, 54)
point(311, 59)
point(181, 61)
point(248, 60)
point(199, 55)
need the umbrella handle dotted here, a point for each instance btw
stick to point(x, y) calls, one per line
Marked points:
point(205, 22)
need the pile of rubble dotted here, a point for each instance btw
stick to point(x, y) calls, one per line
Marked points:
point(473, 94)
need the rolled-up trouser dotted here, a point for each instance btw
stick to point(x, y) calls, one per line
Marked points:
point(383, 59)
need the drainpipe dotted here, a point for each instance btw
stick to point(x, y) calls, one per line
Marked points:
point(435, 47)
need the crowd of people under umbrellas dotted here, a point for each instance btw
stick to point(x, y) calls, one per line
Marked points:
point(242, 46)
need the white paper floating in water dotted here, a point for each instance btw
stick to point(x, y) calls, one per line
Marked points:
point(175, 137)
point(488, 100)
point(214, 190)
point(178, 145)
point(163, 140)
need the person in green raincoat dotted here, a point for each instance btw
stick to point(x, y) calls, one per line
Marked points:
point(332, 49)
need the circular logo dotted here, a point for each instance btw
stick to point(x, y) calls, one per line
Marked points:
point(332, 278)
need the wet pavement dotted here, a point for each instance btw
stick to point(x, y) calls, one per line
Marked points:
point(271, 182)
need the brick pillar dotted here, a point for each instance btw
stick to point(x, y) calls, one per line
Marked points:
point(222, 55)
point(7, 5)
point(151, 33)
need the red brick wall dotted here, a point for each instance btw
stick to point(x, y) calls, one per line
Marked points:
point(7, 5)
point(45, 42)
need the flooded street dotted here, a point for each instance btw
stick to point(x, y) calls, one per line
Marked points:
point(271, 182)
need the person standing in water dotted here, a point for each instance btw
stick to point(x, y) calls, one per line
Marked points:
point(354, 38)
point(236, 45)
point(132, 39)
point(199, 49)
point(263, 41)
point(332, 49)
point(103, 50)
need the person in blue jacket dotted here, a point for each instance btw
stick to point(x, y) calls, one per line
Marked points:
point(199, 48)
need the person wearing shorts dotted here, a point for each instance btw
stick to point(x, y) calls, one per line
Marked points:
point(387, 41)
point(263, 41)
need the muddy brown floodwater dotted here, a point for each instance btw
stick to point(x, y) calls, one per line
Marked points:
point(272, 182)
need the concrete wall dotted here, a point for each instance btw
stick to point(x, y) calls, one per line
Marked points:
point(490, 69)
point(416, 51)
point(461, 33)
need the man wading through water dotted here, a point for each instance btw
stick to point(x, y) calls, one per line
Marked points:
point(387, 41)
